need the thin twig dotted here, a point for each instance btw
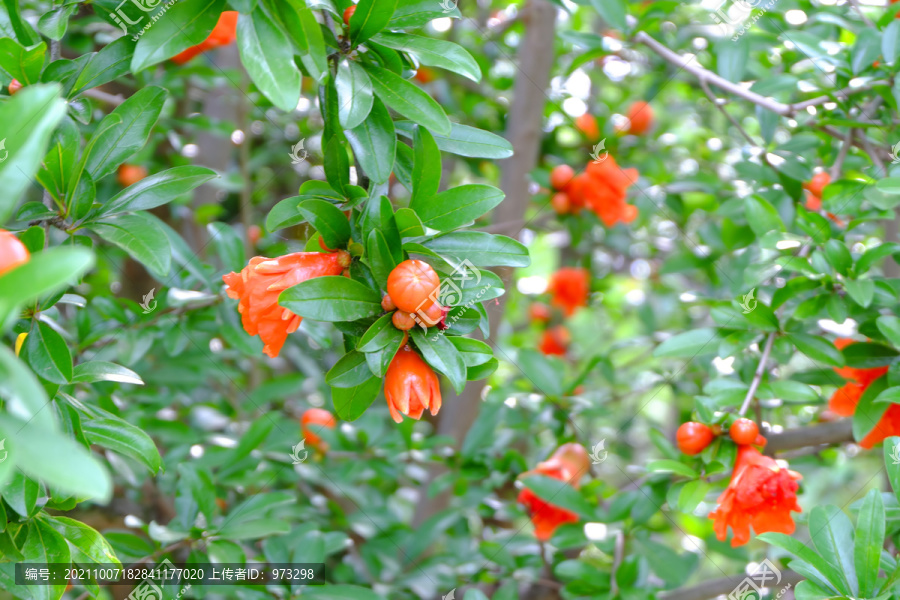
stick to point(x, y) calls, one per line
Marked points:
point(757, 377)
point(618, 555)
point(835, 170)
point(102, 96)
point(715, 101)
point(866, 20)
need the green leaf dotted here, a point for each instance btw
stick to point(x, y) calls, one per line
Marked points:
point(433, 52)
point(137, 116)
point(24, 64)
point(838, 256)
point(613, 12)
point(374, 143)
point(560, 493)
point(817, 349)
point(315, 60)
point(286, 14)
point(45, 272)
point(126, 439)
point(350, 370)
point(832, 535)
point(862, 291)
point(541, 371)
point(890, 395)
point(331, 298)
point(187, 23)
point(473, 352)
point(673, 466)
point(351, 403)
point(370, 17)
point(355, 96)
point(889, 185)
point(890, 42)
point(47, 354)
point(689, 344)
point(870, 531)
point(732, 58)
point(379, 257)
point(139, 236)
point(269, 59)
point(41, 107)
point(868, 355)
point(408, 100)
point(22, 393)
point(157, 189)
point(464, 140)
point(97, 370)
point(44, 545)
point(379, 335)
point(84, 541)
point(54, 23)
point(481, 249)
point(442, 355)
point(56, 460)
point(426, 172)
point(865, 50)
point(328, 220)
point(254, 529)
point(832, 575)
point(868, 413)
point(761, 216)
point(457, 206)
point(229, 246)
point(408, 223)
point(97, 68)
point(415, 13)
point(340, 592)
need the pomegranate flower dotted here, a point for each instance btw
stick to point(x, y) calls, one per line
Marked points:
point(411, 386)
point(761, 494)
point(258, 284)
point(568, 464)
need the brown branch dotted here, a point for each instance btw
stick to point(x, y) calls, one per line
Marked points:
point(718, 587)
point(757, 377)
point(837, 432)
point(102, 96)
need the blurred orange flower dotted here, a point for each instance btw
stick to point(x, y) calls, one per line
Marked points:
point(258, 284)
point(568, 464)
point(411, 386)
point(570, 287)
point(555, 341)
point(222, 34)
point(318, 417)
point(845, 399)
point(12, 252)
point(761, 494)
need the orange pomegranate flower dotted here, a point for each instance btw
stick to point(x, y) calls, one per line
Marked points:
point(222, 34)
point(761, 494)
point(587, 125)
point(568, 464)
point(607, 189)
point(640, 118)
point(12, 252)
point(411, 386)
point(258, 284)
point(555, 341)
point(845, 399)
point(570, 287)
point(316, 418)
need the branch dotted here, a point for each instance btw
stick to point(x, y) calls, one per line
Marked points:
point(757, 377)
point(837, 432)
point(718, 587)
point(707, 76)
point(102, 96)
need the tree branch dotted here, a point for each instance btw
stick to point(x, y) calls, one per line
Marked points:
point(757, 377)
point(837, 432)
point(718, 587)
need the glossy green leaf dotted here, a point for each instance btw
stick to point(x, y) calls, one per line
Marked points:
point(47, 354)
point(157, 189)
point(374, 143)
point(267, 56)
point(370, 17)
point(139, 235)
point(332, 298)
point(329, 221)
point(408, 100)
point(434, 53)
point(456, 206)
point(187, 23)
point(464, 140)
point(481, 249)
point(870, 531)
point(442, 355)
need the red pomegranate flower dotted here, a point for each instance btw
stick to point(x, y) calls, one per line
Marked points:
point(607, 190)
point(12, 252)
point(761, 494)
point(312, 421)
point(411, 386)
point(222, 34)
point(568, 463)
point(555, 341)
point(258, 284)
point(846, 398)
point(570, 287)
